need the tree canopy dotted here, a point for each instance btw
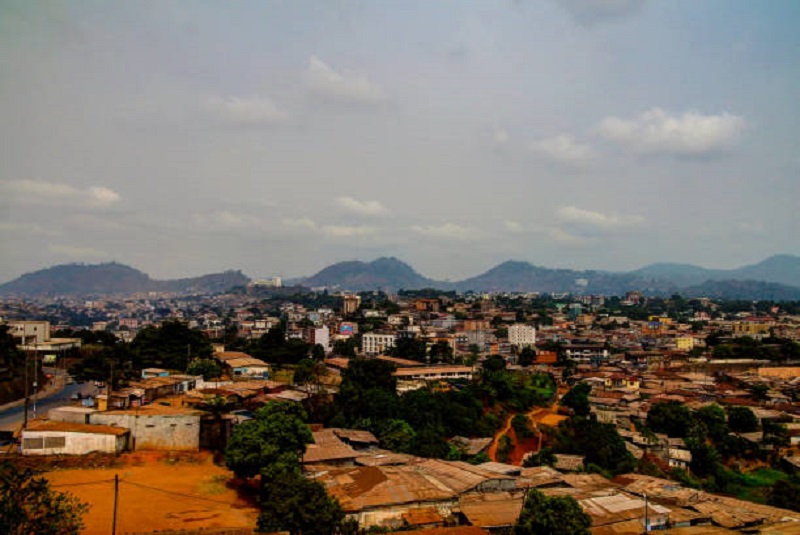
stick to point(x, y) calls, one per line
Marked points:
point(551, 515)
point(29, 505)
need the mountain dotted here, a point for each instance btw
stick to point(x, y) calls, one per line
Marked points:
point(515, 276)
point(380, 274)
point(113, 278)
point(781, 269)
point(744, 289)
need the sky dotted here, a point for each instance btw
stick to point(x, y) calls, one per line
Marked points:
point(189, 137)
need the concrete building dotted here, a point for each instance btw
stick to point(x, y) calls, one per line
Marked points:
point(376, 343)
point(155, 427)
point(522, 335)
point(63, 438)
point(319, 335)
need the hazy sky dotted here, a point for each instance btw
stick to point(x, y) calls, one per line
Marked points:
point(277, 137)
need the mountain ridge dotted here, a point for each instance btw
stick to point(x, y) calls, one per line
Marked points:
point(776, 277)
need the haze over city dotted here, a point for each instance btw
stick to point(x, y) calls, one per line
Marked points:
point(277, 138)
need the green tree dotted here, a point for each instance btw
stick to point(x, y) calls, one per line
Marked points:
point(208, 368)
point(290, 502)
point(742, 420)
point(672, 418)
point(441, 352)
point(397, 435)
point(409, 348)
point(169, 345)
point(527, 356)
point(785, 493)
point(28, 505)
point(554, 515)
point(578, 399)
point(277, 430)
point(712, 418)
point(10, 355)
point(504, 448)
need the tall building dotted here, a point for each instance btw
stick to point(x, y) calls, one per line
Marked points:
point(373, 344)
point(350, 304)
point(522, 335)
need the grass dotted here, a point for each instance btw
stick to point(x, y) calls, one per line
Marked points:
point(214, 485)
point(755, 485)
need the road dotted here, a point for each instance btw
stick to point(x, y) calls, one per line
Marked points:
point(12, 418)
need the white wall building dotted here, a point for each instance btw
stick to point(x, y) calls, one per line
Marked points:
point(376, 343)
point(522, 335)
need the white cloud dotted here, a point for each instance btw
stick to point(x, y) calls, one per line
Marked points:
point(52, 193)
point(227, 220)
point(588, 219)
point(246, 111)
point(302, 223)
point(688, 134)
point(513, 226)
point(343, 231)
point(366, 208)
point(30, 229)
point(564, 150)
point(589, 12)
point(501, 137)
point(347, 86)
point(72, 251)
point(447, 231)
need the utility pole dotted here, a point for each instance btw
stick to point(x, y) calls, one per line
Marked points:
point(35, 380)
point(646, 519)
point(27, 387)
point(116, 501)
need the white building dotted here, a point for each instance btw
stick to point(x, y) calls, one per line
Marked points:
point(522, 335)
point(376, 343)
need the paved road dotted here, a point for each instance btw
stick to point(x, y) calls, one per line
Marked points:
point(12, 418)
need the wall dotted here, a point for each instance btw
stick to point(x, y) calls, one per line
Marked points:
point(74, 443)
point(156, 431)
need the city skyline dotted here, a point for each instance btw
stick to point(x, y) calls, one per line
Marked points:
point(186, 138)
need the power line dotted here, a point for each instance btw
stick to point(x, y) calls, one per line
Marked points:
point(165, 491)
point(83, 483)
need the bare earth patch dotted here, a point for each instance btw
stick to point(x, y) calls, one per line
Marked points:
point(159, 491)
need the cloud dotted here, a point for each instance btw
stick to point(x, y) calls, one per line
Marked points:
point(365, 208)
point(343, 231)
point(252, 111)
point(578, 218)
point(28, 229)
point(513, 226)
point(72, 251)
point(501, 137)
point(302, 223)
point(227, 220)
point(348, 86)
point(589, 12)
point(688, 134)
point(564, 150)
point(52, 193)
point(447, 231)
point(329, 231)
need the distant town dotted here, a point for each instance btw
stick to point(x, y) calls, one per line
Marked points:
point(267, 408)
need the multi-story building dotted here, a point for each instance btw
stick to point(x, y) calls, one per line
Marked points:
point(522, 335)
point(377, 343)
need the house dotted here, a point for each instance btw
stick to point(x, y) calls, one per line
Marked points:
point(45, 437)
point(156, 427)
point(329, 449)
point(679, 458)
point(240, 365)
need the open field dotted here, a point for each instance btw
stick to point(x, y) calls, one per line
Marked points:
point(159, 491)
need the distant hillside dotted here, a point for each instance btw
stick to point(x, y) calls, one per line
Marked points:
point(515, 276)
point(113, 278)
point(781, 269)
point(383, 273)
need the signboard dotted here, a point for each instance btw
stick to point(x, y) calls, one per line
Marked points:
point(49, 359)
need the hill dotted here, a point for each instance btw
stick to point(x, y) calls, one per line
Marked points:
point(380, 274)
point(112, 278)
point(780, 269)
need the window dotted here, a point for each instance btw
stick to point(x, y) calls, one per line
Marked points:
point(32, 444)
point(55, 442)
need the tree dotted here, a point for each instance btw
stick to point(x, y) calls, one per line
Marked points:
point(169, 346)
point(742, 420)
point(29, 505)
point(276, 431)
point(578, 399)
point(553, 515)
point(712, 418)
point(290, 502)
point(441, 352)
point(397, 435)
point(785, 493)
point(205, 367)
point(527, 356)
point(672, 418)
